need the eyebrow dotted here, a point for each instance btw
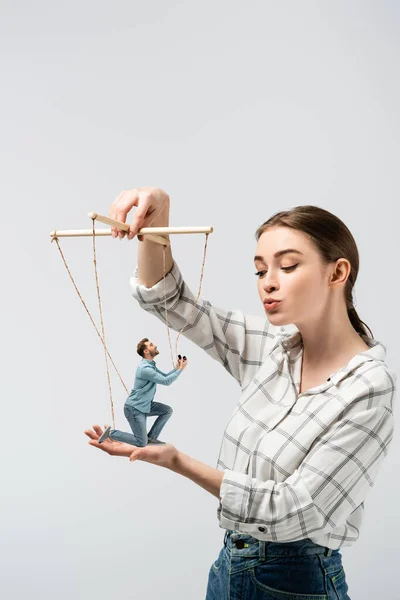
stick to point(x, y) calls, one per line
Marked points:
point(279, 253)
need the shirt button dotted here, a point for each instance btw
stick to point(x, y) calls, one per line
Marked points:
point(239, 544)
point(262, 529)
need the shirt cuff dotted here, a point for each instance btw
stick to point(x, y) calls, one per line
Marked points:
point(163, 289)
point(232, 513)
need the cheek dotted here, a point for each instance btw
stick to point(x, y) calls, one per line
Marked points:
point(298, 284)
point(306, 286)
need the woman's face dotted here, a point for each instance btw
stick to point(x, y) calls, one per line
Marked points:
point(298, 279)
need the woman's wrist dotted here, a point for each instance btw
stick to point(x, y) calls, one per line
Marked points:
point(150, 257)
point(162, 219)
point(205, 476)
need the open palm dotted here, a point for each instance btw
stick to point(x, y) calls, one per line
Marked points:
point(162, 455)
point(110, 446)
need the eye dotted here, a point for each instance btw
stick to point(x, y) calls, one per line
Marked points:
point(287, 269)
point(292, 268)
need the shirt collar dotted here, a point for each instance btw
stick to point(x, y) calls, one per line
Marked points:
point(377, 351)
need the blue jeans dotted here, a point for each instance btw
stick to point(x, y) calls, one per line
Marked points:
point(137, 421)
point(250, 568)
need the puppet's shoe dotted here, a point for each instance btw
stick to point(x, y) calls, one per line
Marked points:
point(154, 440)
point(105, 435)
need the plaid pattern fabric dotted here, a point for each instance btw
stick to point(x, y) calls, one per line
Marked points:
point(295, 465)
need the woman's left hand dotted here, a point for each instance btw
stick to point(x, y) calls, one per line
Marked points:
point(163, 455)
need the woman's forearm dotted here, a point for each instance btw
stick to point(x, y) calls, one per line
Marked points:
point(205, 476)
point(150, 255)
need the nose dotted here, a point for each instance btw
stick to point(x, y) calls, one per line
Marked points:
point(269, 282)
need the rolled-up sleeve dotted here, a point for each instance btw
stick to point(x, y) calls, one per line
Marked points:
point(332, 481)
point(235, 340)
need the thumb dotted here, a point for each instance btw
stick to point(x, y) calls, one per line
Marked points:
point(137, 223)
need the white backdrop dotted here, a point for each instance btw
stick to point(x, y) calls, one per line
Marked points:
point(237, 110)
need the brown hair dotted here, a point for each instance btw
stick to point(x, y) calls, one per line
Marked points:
point(331, 238)
point(142, 346)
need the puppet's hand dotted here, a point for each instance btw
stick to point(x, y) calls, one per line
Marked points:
point(110, 446)
point(181, 363)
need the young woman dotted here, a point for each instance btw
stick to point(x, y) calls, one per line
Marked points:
point(315, 415)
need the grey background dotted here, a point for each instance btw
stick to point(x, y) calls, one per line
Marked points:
point(237, 110)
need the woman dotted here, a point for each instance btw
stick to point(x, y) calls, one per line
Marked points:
point(315, 415)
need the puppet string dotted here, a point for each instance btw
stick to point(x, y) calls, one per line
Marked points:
point(194, 305)
point(102, 337)
point(89, 314)
point(102, 326)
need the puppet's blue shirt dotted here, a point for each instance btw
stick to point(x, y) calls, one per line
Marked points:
point(146, 379)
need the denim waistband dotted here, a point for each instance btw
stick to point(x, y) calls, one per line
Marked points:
point(244, 544)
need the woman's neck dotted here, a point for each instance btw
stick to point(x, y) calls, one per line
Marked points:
point(327, 342)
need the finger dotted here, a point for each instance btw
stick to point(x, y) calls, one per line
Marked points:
point(126, 203)
point(141, 219)
point(116, 209)
point(91, 434)
point(143, 204)
point(100, 446)
point(98, 429)
point(137, 222)
point(113, 213)
point(95, 443)
point(132, 235)
point(127, 200)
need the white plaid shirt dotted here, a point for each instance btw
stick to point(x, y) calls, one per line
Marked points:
point(295, 465)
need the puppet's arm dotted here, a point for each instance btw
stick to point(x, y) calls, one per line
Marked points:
point(159, 377)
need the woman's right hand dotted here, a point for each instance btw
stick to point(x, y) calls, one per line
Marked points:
point(151, 202)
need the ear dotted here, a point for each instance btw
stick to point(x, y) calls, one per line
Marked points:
point(340, 272)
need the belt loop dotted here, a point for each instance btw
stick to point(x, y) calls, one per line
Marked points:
point(226, 537)
point(328, 551)
point(261, 549)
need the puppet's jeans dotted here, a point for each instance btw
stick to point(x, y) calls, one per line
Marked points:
point(257, 570)
point(137, 421)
